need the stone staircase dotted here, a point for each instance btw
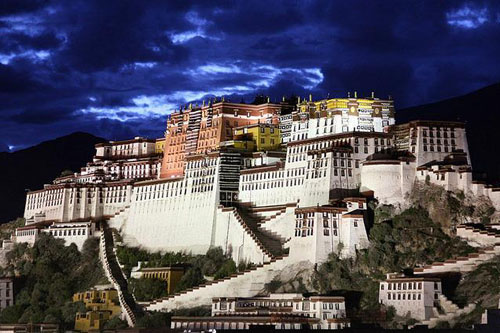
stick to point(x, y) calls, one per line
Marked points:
point(460, 264)
point(114, 220)
point(244, 284)
point(266, 224)
point(479, 234)
point(270, 244)
point(115, 275)
point(449, 312)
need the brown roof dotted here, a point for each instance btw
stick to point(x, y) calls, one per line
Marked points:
point(271, 167)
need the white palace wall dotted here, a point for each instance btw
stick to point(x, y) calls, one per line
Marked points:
point(230, 235)
point(389, 180)
point(282, 225)
point(67, 202)
point(166, 216)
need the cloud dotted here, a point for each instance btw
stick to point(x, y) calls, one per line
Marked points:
point(199, 26)
point(116, 68)
point(467, 17)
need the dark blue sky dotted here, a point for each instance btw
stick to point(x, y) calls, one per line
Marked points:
point(116, 68)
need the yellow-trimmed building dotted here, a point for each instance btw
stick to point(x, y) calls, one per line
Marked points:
point(171, 274)
point(264, 136)
point(101, 305)
point(160, 145)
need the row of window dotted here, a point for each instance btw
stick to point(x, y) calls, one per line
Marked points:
point(438, 133)
point(403, 297)
point(31, 232)
point(273, 184)
point(72, 232)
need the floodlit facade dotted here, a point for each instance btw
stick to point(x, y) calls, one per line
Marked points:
point(222, 182)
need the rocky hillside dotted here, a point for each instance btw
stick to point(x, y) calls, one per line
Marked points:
point(32, 167)
point(481, 111)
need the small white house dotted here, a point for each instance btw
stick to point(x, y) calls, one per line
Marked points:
point(414, 296)
point(72, 232)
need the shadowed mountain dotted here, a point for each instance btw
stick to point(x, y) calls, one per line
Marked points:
point(32, 167)
point(481, 112)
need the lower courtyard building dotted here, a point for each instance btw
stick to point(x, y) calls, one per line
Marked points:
point(283, 311)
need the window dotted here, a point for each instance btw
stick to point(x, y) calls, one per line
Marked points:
point(381, 287)
point(355, 224)
point(326, 232)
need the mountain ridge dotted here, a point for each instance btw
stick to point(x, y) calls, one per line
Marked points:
point(34, 166)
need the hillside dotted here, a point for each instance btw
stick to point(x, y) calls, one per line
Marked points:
point(481, 111)
point(32, 167)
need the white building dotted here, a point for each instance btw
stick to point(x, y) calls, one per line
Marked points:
point(315, 170)
point(137, 147)
point(413, 296)
point(283, 311)
point(320, 230)
point(27, 234)
point(72, 232)
point(431, 140)
point(72, 201)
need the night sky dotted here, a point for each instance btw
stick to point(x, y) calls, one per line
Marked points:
point(116, 68)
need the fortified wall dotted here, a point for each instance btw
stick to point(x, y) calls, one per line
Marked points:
point(221, 185)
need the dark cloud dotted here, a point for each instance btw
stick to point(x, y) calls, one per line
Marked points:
point(19, 42)
point(42, 115)
point(115, 68)
point(9, 7)
point(14, 81)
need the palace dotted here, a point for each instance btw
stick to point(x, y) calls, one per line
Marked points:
point(274, 184)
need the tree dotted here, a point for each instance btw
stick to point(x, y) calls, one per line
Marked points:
point(214, 259)
point(192, 277)
point(148, 289)
point(115, 323)
point(51, 273)
point(154, 320)
point(66, 172)
point(228, 268)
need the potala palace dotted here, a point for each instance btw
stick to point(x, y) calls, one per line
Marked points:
point(274, 184)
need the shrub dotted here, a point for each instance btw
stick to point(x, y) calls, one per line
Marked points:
point(148, 289)
point(51, 273)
